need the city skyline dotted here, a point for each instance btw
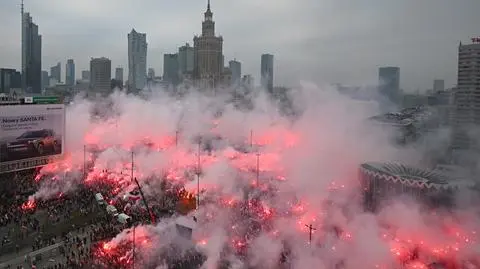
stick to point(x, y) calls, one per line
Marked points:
point(339, 51)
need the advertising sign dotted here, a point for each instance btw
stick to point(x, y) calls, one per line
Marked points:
point(30, 135)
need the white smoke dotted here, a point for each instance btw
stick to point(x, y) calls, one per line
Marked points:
point(320, 150)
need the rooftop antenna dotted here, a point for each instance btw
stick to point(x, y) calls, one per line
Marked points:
point(22, 45)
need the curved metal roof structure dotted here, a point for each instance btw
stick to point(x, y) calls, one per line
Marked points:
point(405, 117)
point(412, 176)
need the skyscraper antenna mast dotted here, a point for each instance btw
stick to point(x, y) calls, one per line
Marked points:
point(22, 46)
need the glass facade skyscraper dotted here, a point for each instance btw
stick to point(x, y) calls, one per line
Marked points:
point(31, 56)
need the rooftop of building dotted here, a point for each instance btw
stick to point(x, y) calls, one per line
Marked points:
point(474, 43)
point(100, 59)
point(404, 117)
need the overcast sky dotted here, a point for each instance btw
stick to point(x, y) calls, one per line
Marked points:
point(324, 41)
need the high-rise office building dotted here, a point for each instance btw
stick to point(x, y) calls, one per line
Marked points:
point(119, 75)
point(186, 56)
point(70, 72)
point(151, 73)
point(465, 114)
point(171, 68)
point(236, 69)
point(266, 72)
point(438, 85)
point(100, 75)
point(208, 53)
point(9, 79)
point(389, 83)
point(248, 81)
point(222, 62)
point(85, 75)
point(56, 72)
point(45, 80)
point(137, 60)
point(31, 55)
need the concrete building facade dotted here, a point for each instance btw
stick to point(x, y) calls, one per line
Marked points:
point(31, 55)
point(186, 55)
point(56, 72)
point(119, 75)
point(45, 80)
point(137, 60)
point(70, 72)
point(208, 54)
point(438, 85)
point(100, 75)
point(171, 68)
point(151, 73)
point(86, 75)
point(389, 83)
point(266, 72)
point(465, 112)
point(9, 79)
point(248, 81)
point(236, 69)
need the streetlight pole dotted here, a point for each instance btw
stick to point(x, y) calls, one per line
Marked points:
point(134, 180)
point(131, 168)
point(176, 138)
point(310, 230)
point(84, 160)
point(152, 217)
point(258, 169)
point(133, 247)
point(251, 139)
point(198, 176)
point(133, 252)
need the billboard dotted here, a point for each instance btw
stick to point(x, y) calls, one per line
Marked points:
point(30, 135)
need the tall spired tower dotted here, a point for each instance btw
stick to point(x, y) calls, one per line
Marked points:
point(31, 55)
point(208, 54)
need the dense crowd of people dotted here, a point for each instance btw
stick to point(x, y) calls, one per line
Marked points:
point(43, 223)
point(15, 223)
point(37, 224)
point(64, 207)
point(77, 249)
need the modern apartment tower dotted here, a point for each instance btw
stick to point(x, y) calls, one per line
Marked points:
point(100, 75)
point(31, 55)
point(119, 75)
point(86, 75)
point(10, 79)
point(171, 68)
point(465, 112)
point(70, 72)
point(186, 60)
point(266, 72)
point(45, 80)
point(151, 73)
point(137, 60)
point(236, 69)
point(56, 72)
point(438, 85)
point(389, 83)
